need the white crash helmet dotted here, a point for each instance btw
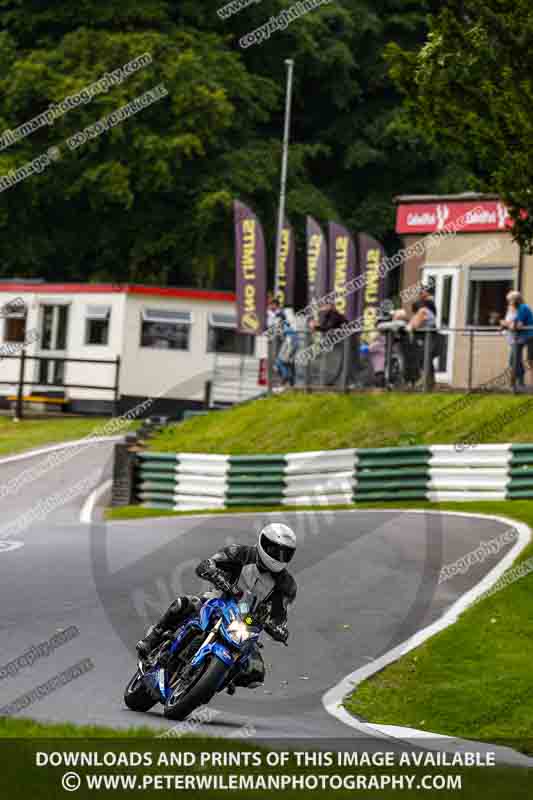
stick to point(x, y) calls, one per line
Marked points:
point(276, 546)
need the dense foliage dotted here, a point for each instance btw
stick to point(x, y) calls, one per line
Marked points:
point(469, 90)
point(150, 199)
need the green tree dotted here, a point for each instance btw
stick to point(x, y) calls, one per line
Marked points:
point(151, 199)
point(123, 204)
point(468, 90)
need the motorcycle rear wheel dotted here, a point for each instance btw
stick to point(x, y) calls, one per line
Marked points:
point(182, 702)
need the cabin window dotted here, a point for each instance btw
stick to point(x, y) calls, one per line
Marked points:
point(165, 330)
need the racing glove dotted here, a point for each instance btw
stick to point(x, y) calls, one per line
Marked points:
point(220, 581)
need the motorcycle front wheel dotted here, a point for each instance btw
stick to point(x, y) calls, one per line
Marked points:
point(185, 698)
point(136, 697)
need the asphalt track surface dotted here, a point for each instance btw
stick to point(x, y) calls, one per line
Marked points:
point(366, 582)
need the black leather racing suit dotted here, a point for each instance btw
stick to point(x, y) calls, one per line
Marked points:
point(224, 570)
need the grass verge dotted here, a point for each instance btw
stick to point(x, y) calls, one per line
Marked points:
point(30, 729)
point(473, 679)
point(30, 433)
point(295, 422)
point(138, 512)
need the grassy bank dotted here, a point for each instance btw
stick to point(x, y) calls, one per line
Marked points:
point(137, 512)
point(474, 679)
point(30, 729)
point(297, 422)
point(30, 433)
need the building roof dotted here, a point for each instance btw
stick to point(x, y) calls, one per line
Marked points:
point(110, 288)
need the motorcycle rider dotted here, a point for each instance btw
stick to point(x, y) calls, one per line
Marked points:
point(260, 569)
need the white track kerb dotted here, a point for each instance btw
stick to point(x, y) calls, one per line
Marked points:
point(41, 451)
point(86, 513)
point(334, 698)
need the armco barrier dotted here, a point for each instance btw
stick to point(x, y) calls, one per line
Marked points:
point(393, 473)
point(186, 481)
point(189, 481)
point(475, 473)
point(521, 471)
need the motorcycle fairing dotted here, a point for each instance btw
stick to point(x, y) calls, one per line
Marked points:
point(214, 648)
point(182, 633)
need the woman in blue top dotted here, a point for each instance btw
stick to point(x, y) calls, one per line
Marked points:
point(519, 320)
point(286, 357)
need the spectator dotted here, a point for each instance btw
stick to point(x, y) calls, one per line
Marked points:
point(425, 300)
point(285, 361)
point(519, 322)
point(376, 355)
point(425, 318)
point(377, 349)
point(275, 313)
point(400, 315)
point(403, 352)
point(329, 320)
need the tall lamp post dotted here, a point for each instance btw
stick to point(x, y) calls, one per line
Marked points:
point(281, 213)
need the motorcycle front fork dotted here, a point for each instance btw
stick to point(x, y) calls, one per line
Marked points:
point(179, 673)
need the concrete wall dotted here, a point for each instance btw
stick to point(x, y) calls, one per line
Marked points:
point(412, 267)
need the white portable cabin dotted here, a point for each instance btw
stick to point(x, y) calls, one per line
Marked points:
point(170, 342)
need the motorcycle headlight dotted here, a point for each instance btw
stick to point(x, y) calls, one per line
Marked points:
point(238, 631)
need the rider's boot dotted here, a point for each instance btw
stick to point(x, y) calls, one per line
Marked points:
point(153, 637)
point(170, 620)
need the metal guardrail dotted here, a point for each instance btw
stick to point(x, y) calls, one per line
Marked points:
point(330, 368)
point(487, 361)
point(509, 373)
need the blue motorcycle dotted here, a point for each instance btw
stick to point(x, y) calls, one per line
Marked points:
point(203, 657)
